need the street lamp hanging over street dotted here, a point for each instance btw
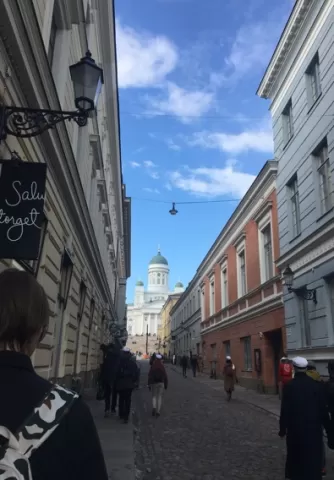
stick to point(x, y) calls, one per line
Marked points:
point(23, 122)
point(302, 292)
point(173, 210)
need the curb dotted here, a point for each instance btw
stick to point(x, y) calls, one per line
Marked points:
point(263, 409)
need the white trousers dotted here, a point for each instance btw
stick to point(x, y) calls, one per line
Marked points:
point(157, 393)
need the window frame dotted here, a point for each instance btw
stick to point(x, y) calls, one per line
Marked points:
point(287, 122)
point(224, 284)
point(313, 78)
point(293, 199)
point(319, 163)
point(248, 359)
point(212, 296)
point(241, 252)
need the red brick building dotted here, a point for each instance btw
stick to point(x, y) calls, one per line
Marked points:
point(242, 309)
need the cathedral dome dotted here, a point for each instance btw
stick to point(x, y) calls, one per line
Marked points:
point(139, 283)
point(158, 260)
point(179, 285)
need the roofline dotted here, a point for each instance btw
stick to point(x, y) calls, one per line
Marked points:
point(290, 32)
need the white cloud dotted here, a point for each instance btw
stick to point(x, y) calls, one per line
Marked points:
point(172, 145)
point(259, 139)
point(134, 164)
point(185, 104)
point(213, 182)
point(144, 60)
point(168, 186)
point(151, 190)
point(154, 175)
point(149, 164)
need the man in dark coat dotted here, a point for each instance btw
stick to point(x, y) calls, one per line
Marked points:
point(303, 418)
point(126, 380)
point(184, 365)
point(108, 375)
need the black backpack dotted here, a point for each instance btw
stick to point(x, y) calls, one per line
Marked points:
point(158, 376)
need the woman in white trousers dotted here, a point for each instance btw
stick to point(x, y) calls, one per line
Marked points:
point(157, 382)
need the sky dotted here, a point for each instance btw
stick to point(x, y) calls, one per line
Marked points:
point(192, 127)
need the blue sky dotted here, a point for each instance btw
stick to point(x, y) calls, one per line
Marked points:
point(192, 127)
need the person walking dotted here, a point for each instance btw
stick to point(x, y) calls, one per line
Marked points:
point(126, 381)
point(157, 382)
point(153, 356)
point(108, 374)
point(285, 374)
point(230, 377)
point(184, 365)
point(194, 364)
point(50, 418)
point(303, 417)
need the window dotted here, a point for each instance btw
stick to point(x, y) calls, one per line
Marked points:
point(313, 85)
point(158, 280)
point(227, 346)
point(214, 351)
point(163, 280)
point(91, 313)
point(294, 205)
point(52, 41)
point(247, 353)
point(287, 121)
point(212, 297)
point(324, 179)
point(267, 253)
point(305, 322)
point(82, 300)
point(224, 287)
point(190, 311)
point(242, 274)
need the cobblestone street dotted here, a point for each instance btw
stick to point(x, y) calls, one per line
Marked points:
point(201, 436)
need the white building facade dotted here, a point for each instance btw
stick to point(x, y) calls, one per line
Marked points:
point(143, 316)
point(84, 258)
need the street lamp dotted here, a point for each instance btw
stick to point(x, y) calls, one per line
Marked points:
point(301, 292)
point(173, 210)
point(23, 122)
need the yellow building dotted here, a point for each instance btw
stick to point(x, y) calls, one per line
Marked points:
point(164, 331)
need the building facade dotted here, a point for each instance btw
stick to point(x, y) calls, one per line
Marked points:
point(144, 315)
point(164, 333)
point(185, 319)
point(299, 83)
point(242, 308)
point(84, 257)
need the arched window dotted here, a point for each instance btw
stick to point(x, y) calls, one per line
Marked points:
point(163, 280)
point(153, 278)
point(158, 280)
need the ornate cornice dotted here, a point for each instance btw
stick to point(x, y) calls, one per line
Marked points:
point(263, 210)
point(288, 36)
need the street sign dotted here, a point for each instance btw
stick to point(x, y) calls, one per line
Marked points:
point(22, 194)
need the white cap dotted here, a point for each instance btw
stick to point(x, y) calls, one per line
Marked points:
point(126, 349)
point(158, 356)
point(300, 362)
point(228, 357)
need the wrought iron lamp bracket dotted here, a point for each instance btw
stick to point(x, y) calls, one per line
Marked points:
point(305, 293)
point(30, 122)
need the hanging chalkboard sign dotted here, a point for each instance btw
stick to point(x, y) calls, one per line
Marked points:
point(22, 193)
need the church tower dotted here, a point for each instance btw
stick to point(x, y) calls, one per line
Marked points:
point(139, 293)
point(158, 274)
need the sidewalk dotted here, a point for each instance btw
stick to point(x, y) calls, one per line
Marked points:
point(116, 439)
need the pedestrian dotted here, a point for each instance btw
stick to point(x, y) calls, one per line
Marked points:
point(157, 382)
point(152, 358)
point(184, 365)
point(194, 364)
point(108, 375)
point(174, 359)
point(30, 404)
point(126, 381)
point(313, 373)
point(303, 418)
point(230, 377)
point(285, 374)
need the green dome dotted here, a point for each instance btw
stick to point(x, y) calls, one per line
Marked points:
point(179, 285)
point(158, 259)
point(139, 283)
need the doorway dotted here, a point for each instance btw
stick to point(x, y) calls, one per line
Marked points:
point(275, 339)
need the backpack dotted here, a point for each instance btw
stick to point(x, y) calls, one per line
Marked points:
point(16, 449)
point(158, 376)
point(229, 370)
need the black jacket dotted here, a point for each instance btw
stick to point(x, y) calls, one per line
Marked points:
point(128, 373)
point(73, 451)
point(110, 366)
point(303, 417)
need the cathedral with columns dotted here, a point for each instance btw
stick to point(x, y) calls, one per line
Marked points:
point(144, 314)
